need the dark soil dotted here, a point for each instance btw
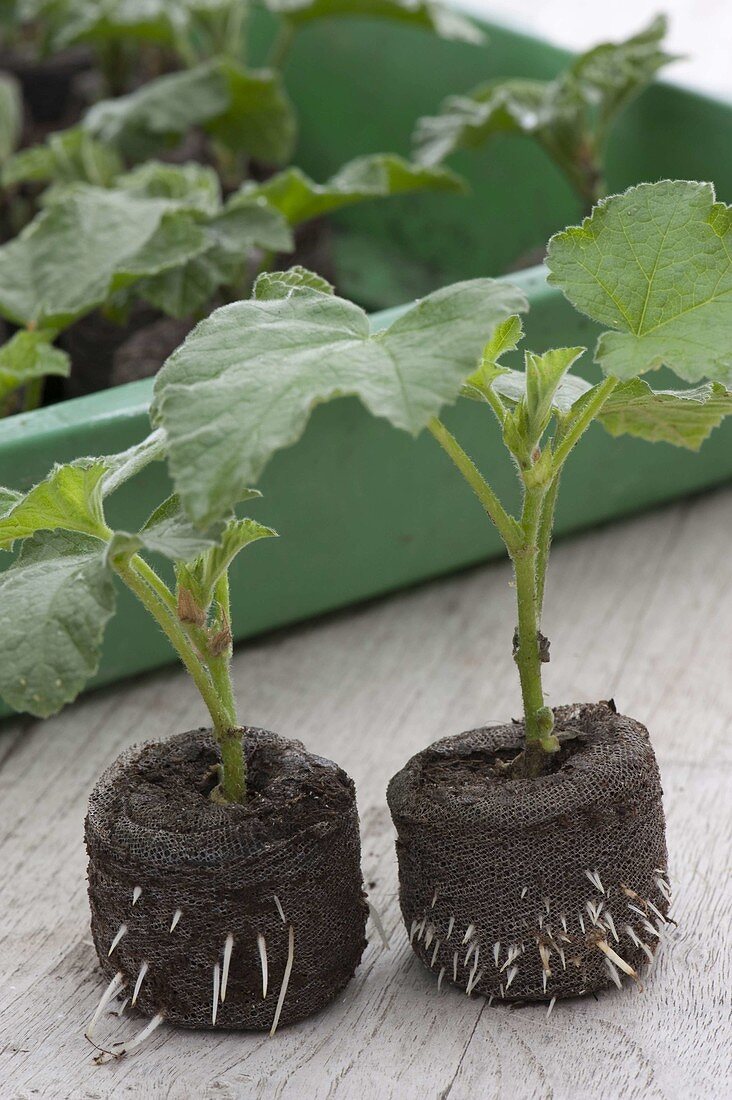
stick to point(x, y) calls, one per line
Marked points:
point(50, 88)
point(492, 865)
point(143, 353)
point(93, 343)
point(151, 824)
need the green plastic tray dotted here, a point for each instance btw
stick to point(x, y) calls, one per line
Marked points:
point(363, 509)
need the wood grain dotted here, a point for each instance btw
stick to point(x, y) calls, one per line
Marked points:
point(641, 611)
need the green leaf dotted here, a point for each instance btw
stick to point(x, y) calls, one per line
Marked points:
point(55, 602)
point(70, 156)
point(282, 284)
point(201, 575)
point(506, 338)
point(246, 110)
point(511, 385)
point(682, 417)
point(570, 115)
point(8, 499)
point(229, 238)
point(544, 374)
point(259, 119)
point(192, 185)
point(69, 498)
point(297, 197)
point(114, 21)
point(427, 14)
point(654, 265)
point(85, 245)
point(244, 382)
point(169, 532)
point(11, 115)
point(28, 356)
point(163, 109)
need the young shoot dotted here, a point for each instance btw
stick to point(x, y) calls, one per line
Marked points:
point(570, 117)
point(58, 595)
point(651, 265)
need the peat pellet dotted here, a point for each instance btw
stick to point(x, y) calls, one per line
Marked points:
point(207, 910)
point(530, 889)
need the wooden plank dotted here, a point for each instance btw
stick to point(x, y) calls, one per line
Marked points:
point(640, 611)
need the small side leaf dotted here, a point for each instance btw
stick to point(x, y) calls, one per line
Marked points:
point(281, 284)
point(655, 265)
point(69, 498)
point(506, 338)
point(55, 602)
point(169, 532)
point(201, 575)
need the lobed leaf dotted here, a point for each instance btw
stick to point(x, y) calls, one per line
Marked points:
point(567, 114)
point(28, 356)
point(70, 156)
point(200, 576)
point(505, 338)
point(169, 532)
point(682, 417)
point(654, 265)
point(244, 382)
point(428, 14)
point(299, 198)
point(86, 244)
point(282, 284)
point(55, 602)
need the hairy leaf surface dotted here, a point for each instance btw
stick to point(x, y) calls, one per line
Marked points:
point(654, 264)
point(244, 382)
point(682, 417)
point(55, 602)
point(28, 356)
point(69, 497)
point(427, 14)
point(299, 198)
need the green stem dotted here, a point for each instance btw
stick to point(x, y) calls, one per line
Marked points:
point(139, 579)
point(507, 527)
point(32, 394)
point(596, 400)
point(537, 717)
point(546, 528)
point(282, 44)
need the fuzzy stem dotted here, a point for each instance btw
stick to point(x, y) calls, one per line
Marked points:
point(505, 523)
point(578, 428)
point(544, 538)
point(32, 394)
point(538, 721)
point(138, 578)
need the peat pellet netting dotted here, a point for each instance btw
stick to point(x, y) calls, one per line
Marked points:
point(529, 889)
point(213, 908)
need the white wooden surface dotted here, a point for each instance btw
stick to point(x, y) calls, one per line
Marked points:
point(641, 611)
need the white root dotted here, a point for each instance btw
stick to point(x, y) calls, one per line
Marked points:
point(469, 931)
point(434, 953)
point(429, 937)
point(524, 892)
point(469, 952)
point(491, 998)
point(228, 948)
point(513, 954)
point(140, 979)
point(280, 910)
point(496, 952)
point(580, 918)
point(658, 913)
point(512, 972)
point(121, 931)
point(434, 899)
point(379, 925)
point(136, 895)
point(665, 889)
point(545, 953)
point(412, 930)
point(551, 1006)
point(613, 957)
point(110, 992)
point(544, 980)
point(613, 973)
point(474, 979)
point(176, 917)
point(285, 980)
point(262, 945)
point(608, 919)
point(562, 957)
point(140, 1038)
point(120, 1011)
point(439, 979)
point(594, 878)
point(454, 965)
point(216, 993)
point(563, 919)
point(450, 926)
